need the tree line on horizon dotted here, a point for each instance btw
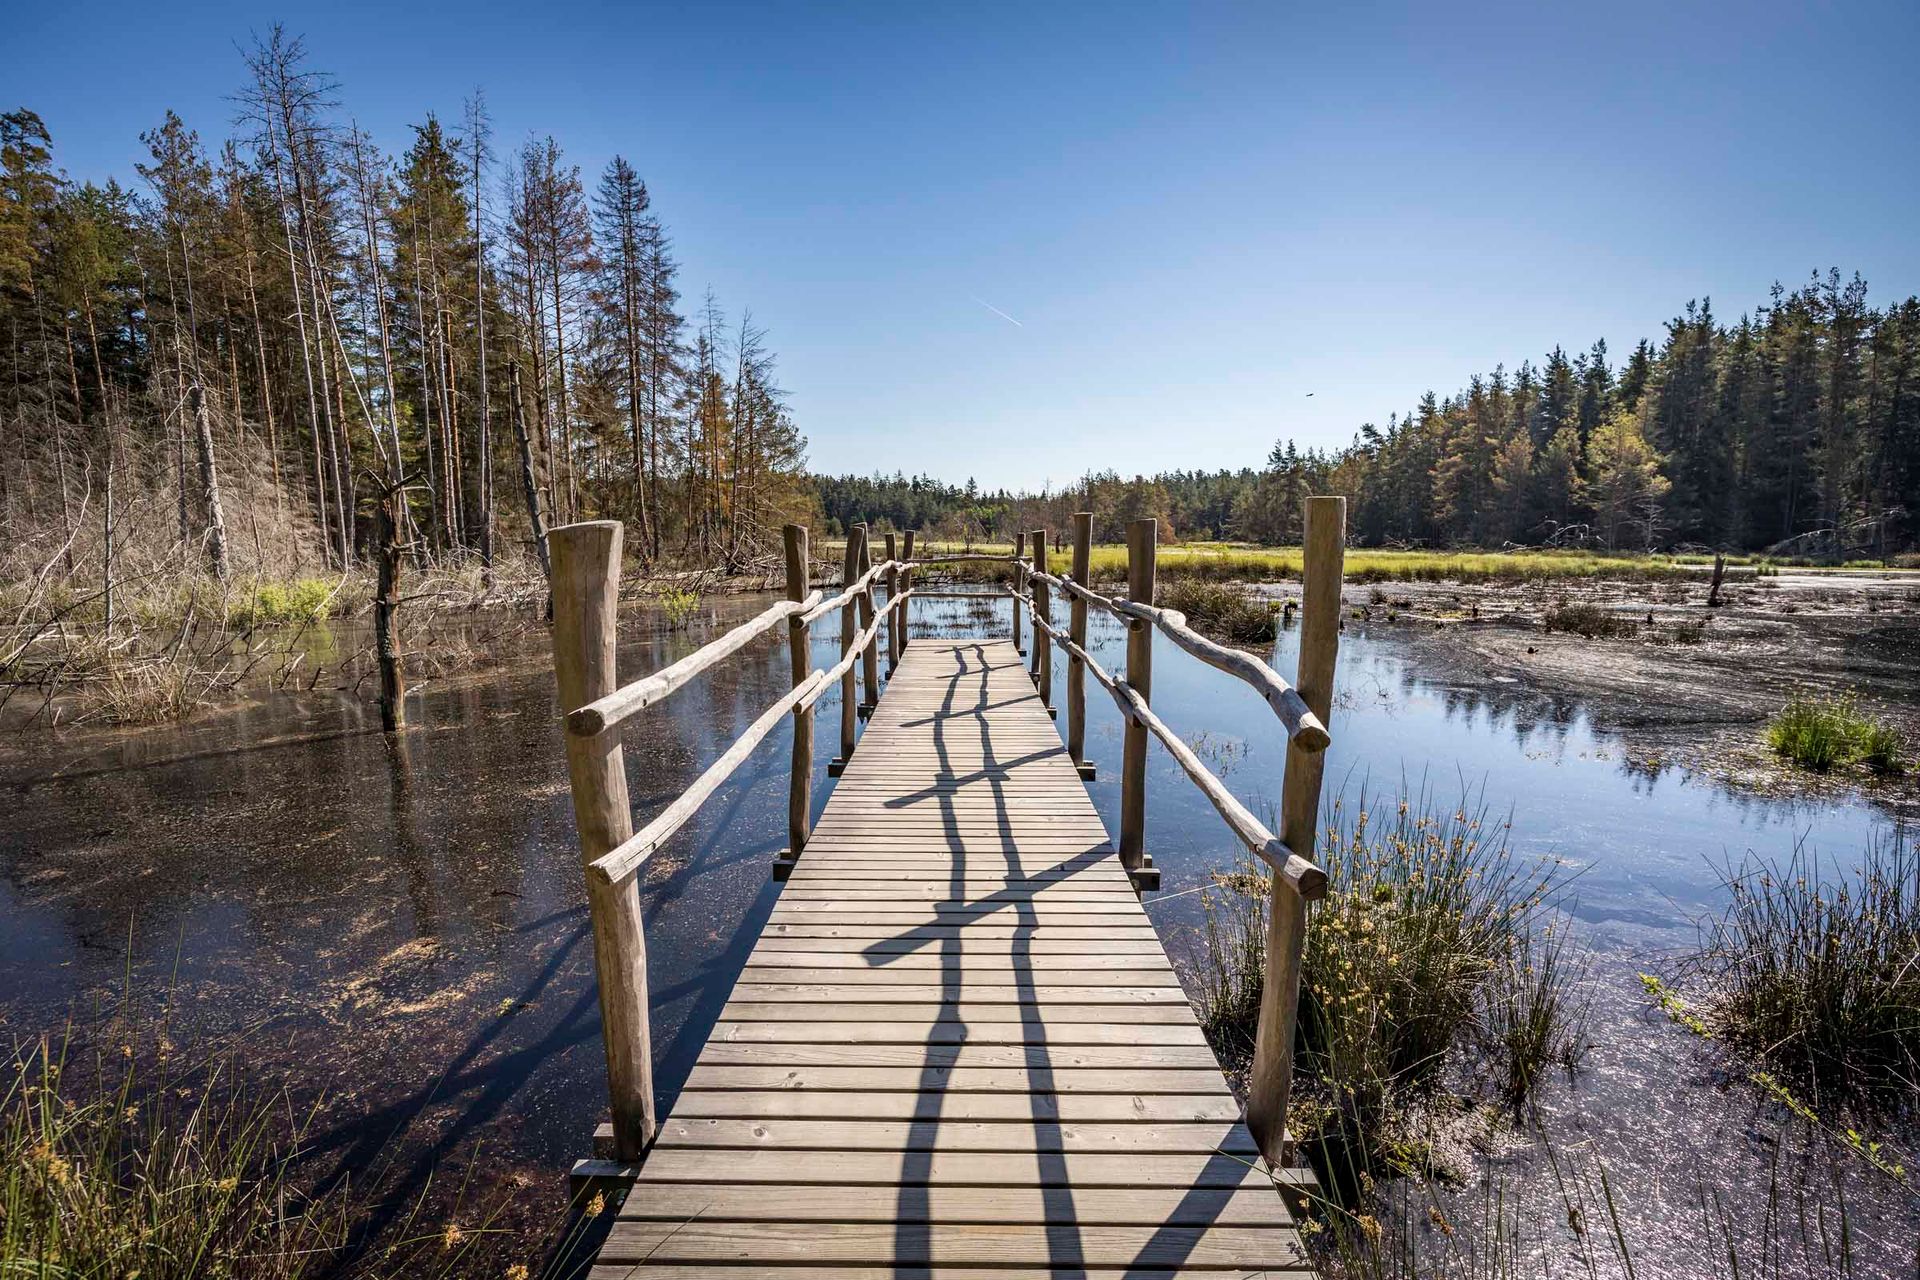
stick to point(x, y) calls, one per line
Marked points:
point(225, 366)
point(1796, 428)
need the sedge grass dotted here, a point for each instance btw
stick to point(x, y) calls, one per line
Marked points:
point(1827, 733)
point(1434, 936)
point(1817, 973)
point(1221, 610)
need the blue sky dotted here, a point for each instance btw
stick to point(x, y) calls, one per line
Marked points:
point(1196, 214)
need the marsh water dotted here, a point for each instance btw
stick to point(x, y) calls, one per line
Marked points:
point(396, 927)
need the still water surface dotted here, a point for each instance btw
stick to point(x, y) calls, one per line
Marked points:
point(399, 925)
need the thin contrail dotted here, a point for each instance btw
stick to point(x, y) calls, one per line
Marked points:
point(997, 311)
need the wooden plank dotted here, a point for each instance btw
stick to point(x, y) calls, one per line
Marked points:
point(1198, 1169)
point(1041, 1134)
point(912, 1079)
point(1034, 1031)
point(969, 962)
point(809, 1104)
point(970, 1244)
point(836, 992)
point(964, 1013)
point(888, 1271)
point(1250, 1205)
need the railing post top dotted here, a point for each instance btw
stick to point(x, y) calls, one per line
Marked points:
point(586, 529)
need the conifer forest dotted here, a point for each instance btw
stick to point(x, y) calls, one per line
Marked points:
point(226, 362)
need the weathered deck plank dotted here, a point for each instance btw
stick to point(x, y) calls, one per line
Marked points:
point(958, 1043)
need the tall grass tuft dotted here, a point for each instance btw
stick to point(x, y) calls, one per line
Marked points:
point(1434, 936)
point(1535, 1009)
point(1826, 733)
point(175, 1178)
point(143, 1161)
point(1819, 976)
point(1221, 610)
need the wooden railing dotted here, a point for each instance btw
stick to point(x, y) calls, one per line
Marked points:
point(1294, 878)
point(586, 575)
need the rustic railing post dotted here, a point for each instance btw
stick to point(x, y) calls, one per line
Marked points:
point(1013, 593)
point(1142, 539)
point(906, 585)
point(800, 660)
point(586, 585)
point(1077, 632)
point(849, 696)
point(1027, 544)
point(1043, 616)
point(893, 615)
point(1270, 1082)
point(870, 657)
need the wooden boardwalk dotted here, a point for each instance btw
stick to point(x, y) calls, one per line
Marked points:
point(958, 1047)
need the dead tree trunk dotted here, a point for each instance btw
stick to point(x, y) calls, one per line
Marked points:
point(210, 484)
point(527, 477)
point(386, 609)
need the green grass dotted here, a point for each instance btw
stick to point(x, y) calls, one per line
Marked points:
point(1818, 975)
point(1828, 733)
point(1224, 561)
point(142, 1160)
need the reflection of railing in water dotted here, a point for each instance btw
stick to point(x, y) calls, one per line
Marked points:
point(586, 571)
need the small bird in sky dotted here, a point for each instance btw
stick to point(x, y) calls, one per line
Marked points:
point(1309, 395)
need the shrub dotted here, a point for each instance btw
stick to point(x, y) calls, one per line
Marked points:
point(277, 603)
point(1823, 733)
point(1820, 977)
point(1221, 610)
point(678, 606)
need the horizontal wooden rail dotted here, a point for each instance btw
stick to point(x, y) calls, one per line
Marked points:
point(1305, 728)
point(622, 704)
point(628, 857)
point(1295, 715)
point(920, 593)
point(963, 555)
point(866, 637)
point(632, 854)
point(850, 594)
point(1306, 879)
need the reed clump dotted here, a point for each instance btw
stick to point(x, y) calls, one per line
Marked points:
point(1221, 610)
point(1434, 938)
point(1818, 974)
point(186, 1176)
point(1829, 733)
point(1584, 619)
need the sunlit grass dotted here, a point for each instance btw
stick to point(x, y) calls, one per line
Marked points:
point(1433, 937)
point(1224, 561)
point(1817, 973)
point(1222, 610)
point(1826, 733)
